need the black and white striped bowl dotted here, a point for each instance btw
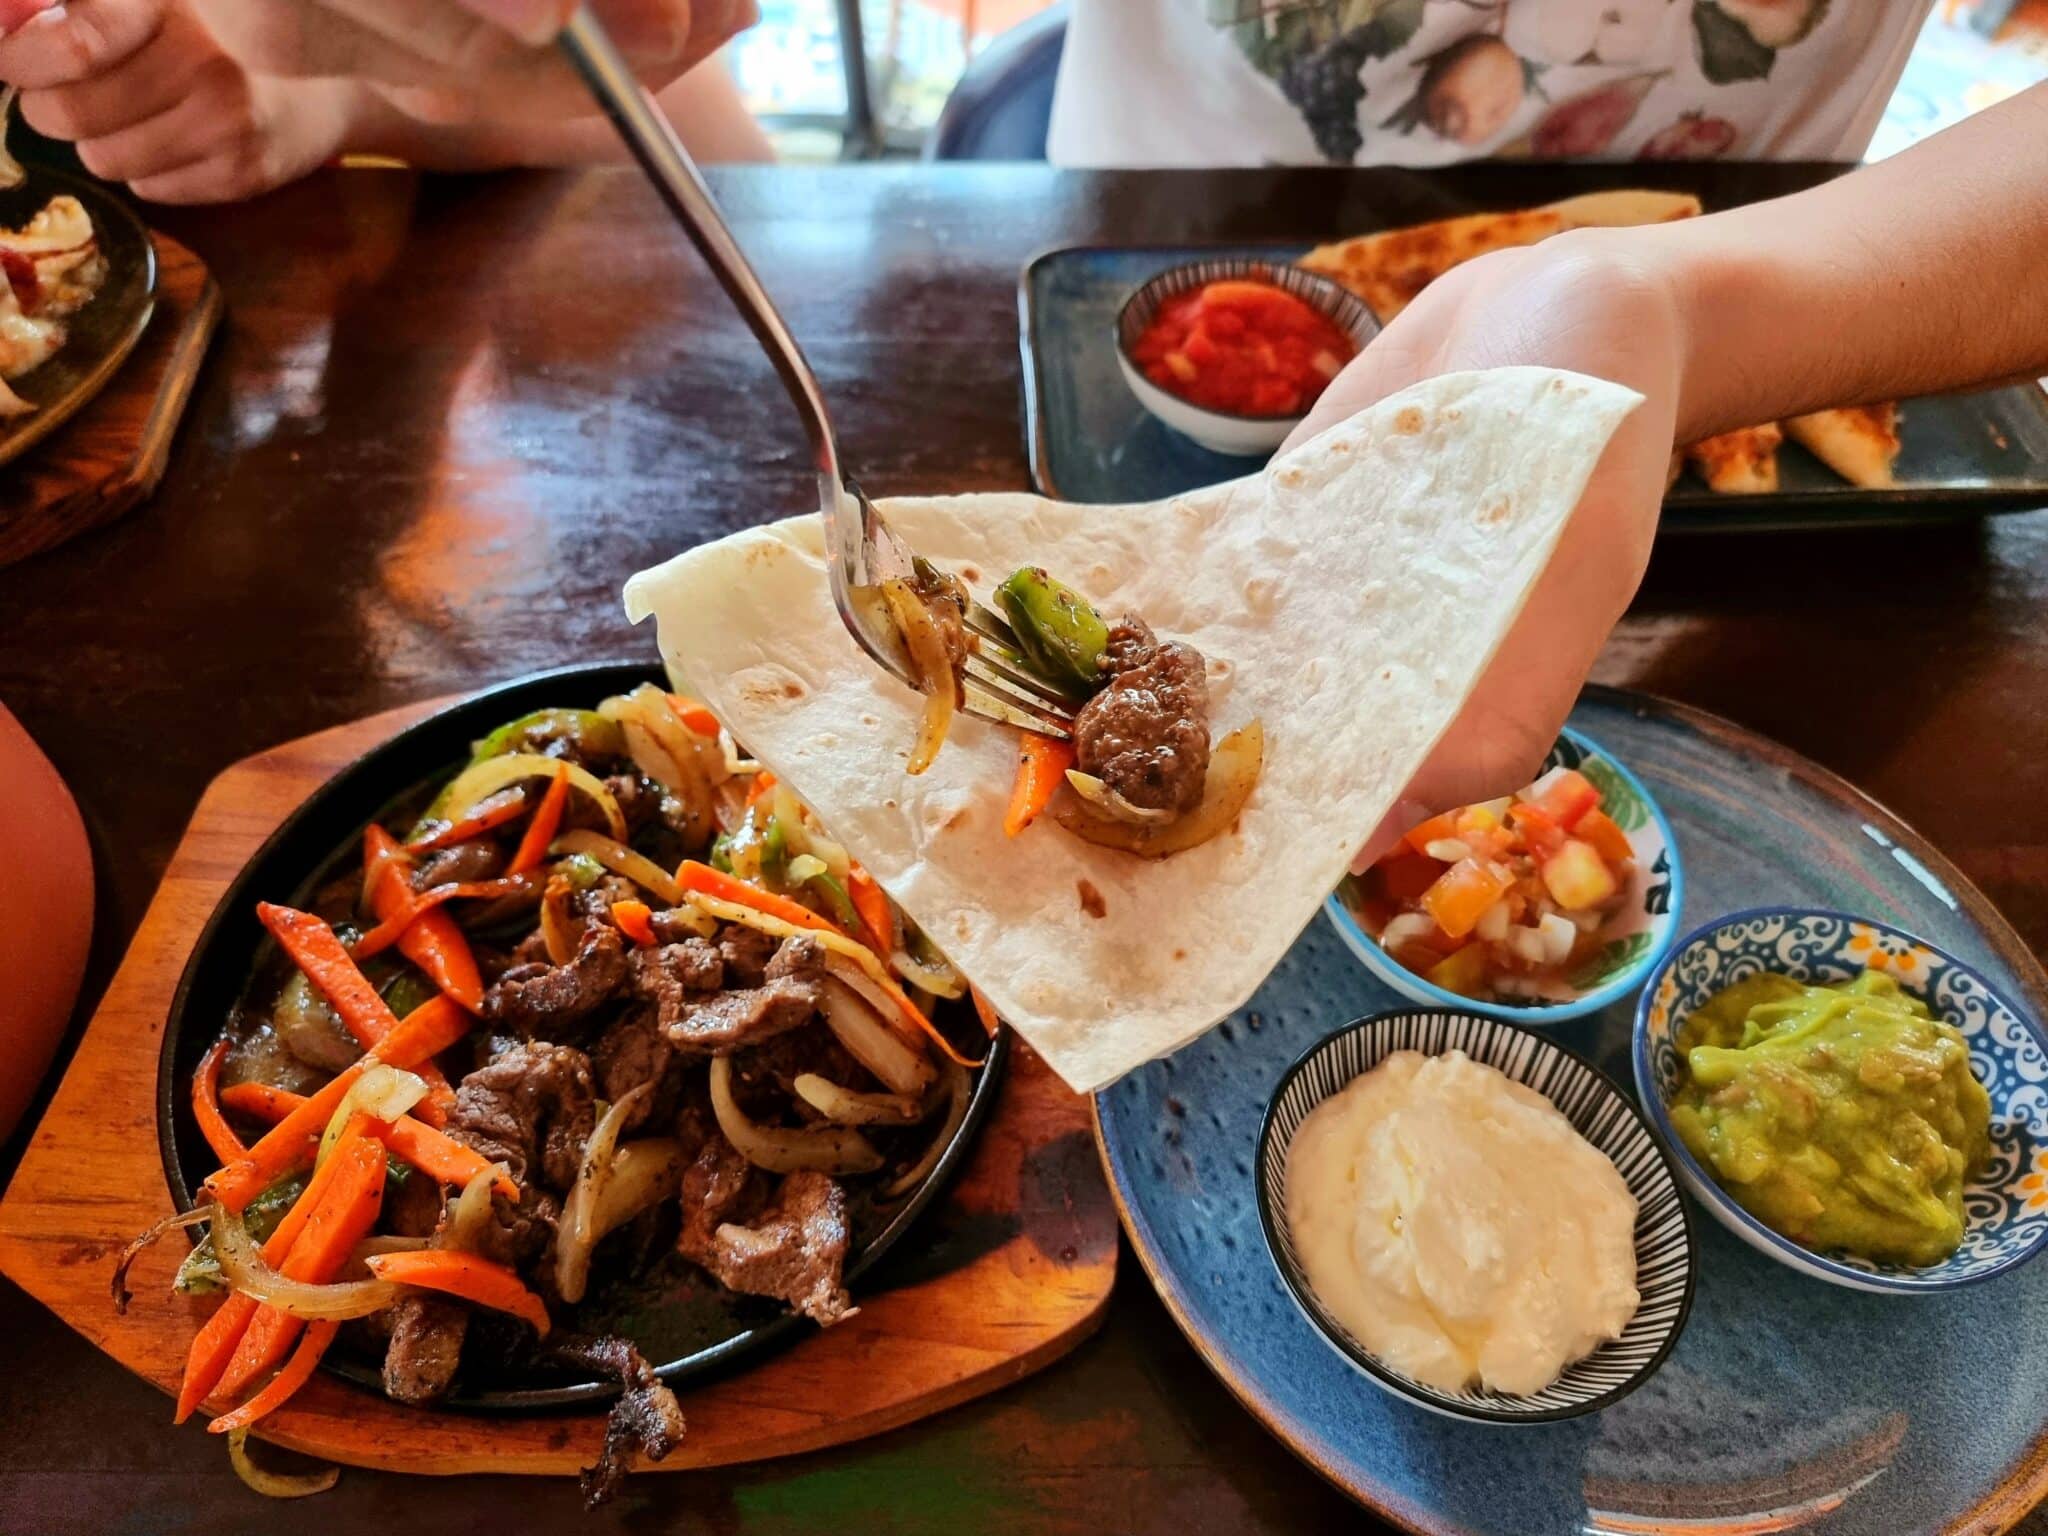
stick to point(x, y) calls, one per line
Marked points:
point(1666, 1256)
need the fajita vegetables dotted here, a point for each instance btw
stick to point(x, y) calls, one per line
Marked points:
point(1341, 606)
point(1501, 900)
point(611, 1000)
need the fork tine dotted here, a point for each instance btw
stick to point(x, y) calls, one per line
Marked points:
point(1012, 669)
point(989, 700)
point(1006, 709)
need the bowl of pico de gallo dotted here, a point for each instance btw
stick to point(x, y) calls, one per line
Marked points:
point(1540, 906)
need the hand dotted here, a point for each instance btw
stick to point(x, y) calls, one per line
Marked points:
point(452, 60)
point(152, 100)
point(1590, 303)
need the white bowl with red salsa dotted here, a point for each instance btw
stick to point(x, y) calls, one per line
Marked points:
point(1546, 904)
point(1233, 352)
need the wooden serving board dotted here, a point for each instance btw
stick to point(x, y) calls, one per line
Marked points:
point(108, 458)
point(1023, 1246)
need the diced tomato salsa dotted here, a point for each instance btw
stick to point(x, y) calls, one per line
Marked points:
point(1243, 346)
point(1504, 900)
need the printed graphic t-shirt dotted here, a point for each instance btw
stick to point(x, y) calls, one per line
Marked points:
point(1427, 82)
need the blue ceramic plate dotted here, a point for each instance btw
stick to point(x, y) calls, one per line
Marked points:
point(1637, 935)
point(1090, 440)
point(2006, 1205)
point(1597, 1110)
point(1784, 1397)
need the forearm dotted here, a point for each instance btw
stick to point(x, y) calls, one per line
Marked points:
point(704, 106)
point(1919, 274)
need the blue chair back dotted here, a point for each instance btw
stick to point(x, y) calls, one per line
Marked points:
point(1002, 107)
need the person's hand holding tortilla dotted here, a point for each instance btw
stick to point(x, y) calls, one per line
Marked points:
point(1564, 304)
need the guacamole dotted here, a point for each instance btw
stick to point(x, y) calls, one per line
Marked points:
point(1844, 1117)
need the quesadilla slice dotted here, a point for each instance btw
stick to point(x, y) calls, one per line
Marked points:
point(1347, 599)
point(1387, 270)
point(1739, 463)
point(1860, 443)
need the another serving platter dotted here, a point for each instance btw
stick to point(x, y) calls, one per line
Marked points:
point(1786, 1401)
point(1089, 438)
point(105, 331)
point(684, 1323)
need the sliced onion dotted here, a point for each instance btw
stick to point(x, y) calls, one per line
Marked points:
point(171, 1223)
point(621, 860)
point(1111, 804)
point(275, 1485)
point(955, 1082)
point(473, 1211)
point(1233, 772)
point(804, 868)
point(383, 1093)
point(644, 1173)
point(935, 976)
point(850, 1016)
point(556, 936)
point(845, 1106)
point(830, 1149)
point(480, 780)
point(242, 1267)
point(929, 664)
point(576, 1234)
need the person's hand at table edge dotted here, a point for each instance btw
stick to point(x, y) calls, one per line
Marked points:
point(1914, 276)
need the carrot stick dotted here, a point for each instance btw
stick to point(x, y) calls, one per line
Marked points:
point(873, 907)
point(391, 929)
point(222, 1333)
point(434, 1153)
point(431, 940)
point(491, 813)
point(212, 1348)
point(297, 1372)
point(328, 965)
point(635, 920)
point(693, 876)
point(759, 790)
point(220, 1136)
point(1042, 764)
point(430, 1028)
point(335, 1226)
point(541, 830)
point(985, 1010)
point(694, 716)
point(464, 1274)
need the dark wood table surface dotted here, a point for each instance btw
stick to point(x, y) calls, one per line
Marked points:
point(446, 418)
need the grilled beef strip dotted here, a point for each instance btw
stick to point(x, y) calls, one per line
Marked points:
point(547, 1001)
point(425, 1348)
point(646, 1418)
point(698, 1016)
point(794, 1250)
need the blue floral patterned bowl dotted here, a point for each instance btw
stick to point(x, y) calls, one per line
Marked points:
point(2006, 1207)
point(1637, 935)
point(1666, 1253)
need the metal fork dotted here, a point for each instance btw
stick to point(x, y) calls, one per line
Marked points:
point(998, 683)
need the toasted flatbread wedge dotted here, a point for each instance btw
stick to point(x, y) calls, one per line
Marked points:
point(1739, 463)
point(1389, 269)
point(1859, 443)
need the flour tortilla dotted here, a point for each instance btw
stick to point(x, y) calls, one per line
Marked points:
point(1348, 598)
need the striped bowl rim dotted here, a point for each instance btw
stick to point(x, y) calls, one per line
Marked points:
point(1666, 1248)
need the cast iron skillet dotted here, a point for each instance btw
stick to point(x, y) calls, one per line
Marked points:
point(686, 1325)
point(105, 331)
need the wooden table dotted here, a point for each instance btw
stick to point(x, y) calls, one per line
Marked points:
point(445, 420)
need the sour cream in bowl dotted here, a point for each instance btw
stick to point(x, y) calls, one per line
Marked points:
point(1475, 1217)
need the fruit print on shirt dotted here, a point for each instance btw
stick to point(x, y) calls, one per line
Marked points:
point(1432, 81)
